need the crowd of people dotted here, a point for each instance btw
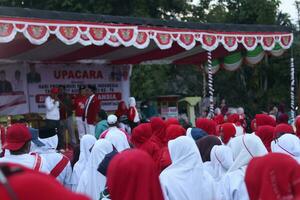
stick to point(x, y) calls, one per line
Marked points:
point(120, 158)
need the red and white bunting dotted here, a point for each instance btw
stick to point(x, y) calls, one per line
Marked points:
point(39, 31)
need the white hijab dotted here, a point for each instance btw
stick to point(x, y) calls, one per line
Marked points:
point(244, 148)
point(288, 144)
point(185, 178)
point(86, 142)
point(117, 138)
point(221, 160)
point(50, 145)
point(91, 182)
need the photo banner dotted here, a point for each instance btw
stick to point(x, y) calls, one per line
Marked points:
point(112, 82)
point(13, 89)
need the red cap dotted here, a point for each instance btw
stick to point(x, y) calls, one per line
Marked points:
point(55, 90)
point(17, 135)
point(283, 128)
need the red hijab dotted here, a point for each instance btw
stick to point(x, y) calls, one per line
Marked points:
point(297, 123)
point(234, 118)
point(158, 130)
point(140, 138)
point(265, 133)
point(273, 176)
point(171, 121)
point(122, 109)
point(132, 176)
point(173, 132)
point(282, 129)
point(141, 134)
point(219, 119)
point(227, 131)
point(261, 120)
point(208, 125)
point(29, 184)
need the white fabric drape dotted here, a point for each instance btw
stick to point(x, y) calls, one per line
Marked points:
point(221, 160)
point(185, 178)
point(244, 148)
point(91, 182)
point(86, 142)
point(288, 144)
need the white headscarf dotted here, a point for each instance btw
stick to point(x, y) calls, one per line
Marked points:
point(49, 147)
point(185, 178)
point(232, 186)
point(288, 144)
point(132, 102)
point(221, 160)
point(117, 138)
point(91, 182)
point(86, 142)
point(244, 148)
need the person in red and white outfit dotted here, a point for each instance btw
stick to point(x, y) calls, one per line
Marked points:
point(18, 141)
point(58, 164)
point(91, 110)
point(133, 115)
point(79, 110)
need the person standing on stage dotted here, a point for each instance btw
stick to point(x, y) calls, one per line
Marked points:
point(66, 114)
point(79, 110)
point(53, 115)
point(91, 110)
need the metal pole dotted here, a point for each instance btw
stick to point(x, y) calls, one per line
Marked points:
point(210, 84)
point(292, 86)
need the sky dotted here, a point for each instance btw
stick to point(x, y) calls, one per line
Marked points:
point(288, 6)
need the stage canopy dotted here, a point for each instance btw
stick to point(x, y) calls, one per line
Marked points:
point(62, 37)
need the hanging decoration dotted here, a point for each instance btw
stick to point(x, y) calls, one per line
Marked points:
point(38, 31)
point(233, 61)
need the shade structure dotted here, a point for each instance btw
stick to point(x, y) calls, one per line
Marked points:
point(50, 36)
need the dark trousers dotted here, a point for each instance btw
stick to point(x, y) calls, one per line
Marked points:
point(56, 124)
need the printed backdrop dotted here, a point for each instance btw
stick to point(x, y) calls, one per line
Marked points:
point(112, 84)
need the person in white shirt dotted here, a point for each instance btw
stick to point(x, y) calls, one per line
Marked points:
point(53, 115)
point(18, 141)
point(115, 135)
point(58, 164)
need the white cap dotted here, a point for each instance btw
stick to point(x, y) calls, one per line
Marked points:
point(112, 119)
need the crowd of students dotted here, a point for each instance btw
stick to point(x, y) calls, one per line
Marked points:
point(158, 160)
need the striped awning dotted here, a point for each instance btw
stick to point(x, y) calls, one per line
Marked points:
point(46, 36)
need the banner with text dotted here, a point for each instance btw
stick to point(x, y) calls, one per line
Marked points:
point(13, 89)
point(112, 82)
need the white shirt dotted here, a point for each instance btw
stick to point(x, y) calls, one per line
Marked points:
point(53, 159)
point(25, 160)
point(49, 153)
point(52, 109)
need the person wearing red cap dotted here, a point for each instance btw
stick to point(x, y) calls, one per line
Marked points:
point(91, 110)
point(21, 183)
point(18, 141)
point(53, 114)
